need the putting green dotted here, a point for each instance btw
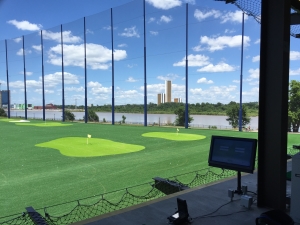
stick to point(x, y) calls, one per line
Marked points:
point(78, 147)
point(174, 136)
point(47, 124)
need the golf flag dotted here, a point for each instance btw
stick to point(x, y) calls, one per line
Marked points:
point(87, 140)
point(177, 130)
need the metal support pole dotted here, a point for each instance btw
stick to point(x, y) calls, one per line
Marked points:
point(85, 76)
point(145, 67)
point(43, 76)
point(112, 69)
point(186, 125)
point(273, 103)
point(62, 74)
point(25, 91)
point(241, 80)
point(7, 81)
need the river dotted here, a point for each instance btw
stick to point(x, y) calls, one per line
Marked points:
point(201, 121)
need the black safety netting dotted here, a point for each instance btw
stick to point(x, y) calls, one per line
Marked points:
point(97, 205)
point(253, 8)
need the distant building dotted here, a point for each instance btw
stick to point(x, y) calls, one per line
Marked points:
point(22, 106)
point(168, 90)
point(47, 106)
point(160, 98)
point(178, 100)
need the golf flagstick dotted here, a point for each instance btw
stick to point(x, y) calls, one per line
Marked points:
point(177, 131)
point(87, 139)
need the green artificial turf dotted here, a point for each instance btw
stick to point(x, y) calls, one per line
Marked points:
point(90, 147)
point(40, 177)
point(174, 136)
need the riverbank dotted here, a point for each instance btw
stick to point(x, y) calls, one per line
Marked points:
point(199, 121)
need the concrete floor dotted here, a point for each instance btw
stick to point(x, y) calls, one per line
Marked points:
point(200, 201)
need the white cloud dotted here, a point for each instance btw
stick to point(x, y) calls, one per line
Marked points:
point(154, 88)
point(295, 72)
point(68, 37)
point(202, 15)
point(25, 25)
point(257, 41)
point(37, 47)
point(40, 91)
point(164, 4)
point(131, 79)
point(18, 40)
point(79, 89)
point(254, 83)
point(107, 28)
point(221, 42)
point(198, 48)
point(54, 79)
point(252, 92)
point(203, 80)
point(236, 17)
point(215, 93)
point(20, 52)
point(131, 65)
point(151, 19)
point(254, 73)
point(97, 88)
point(98, 56)
point(170, 76)
point(154, 32)
point(194, 60)
point(256, 58)
point(29, 84)
point(130, 32)
point(88, 31)
point(294, 55)
point(122, 45)
point(127, 94)
point(227, 31)
point(27, 73)
point(165, 19)
point(220, 67)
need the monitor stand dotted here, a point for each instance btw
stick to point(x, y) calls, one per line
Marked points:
point(239, 186)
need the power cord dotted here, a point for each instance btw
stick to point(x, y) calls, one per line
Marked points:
point(208, 215)
point(252, 192)
point(229, 214)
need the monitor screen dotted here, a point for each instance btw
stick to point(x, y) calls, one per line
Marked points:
point(233, 153)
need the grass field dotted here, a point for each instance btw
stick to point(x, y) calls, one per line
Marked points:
point(43, 165)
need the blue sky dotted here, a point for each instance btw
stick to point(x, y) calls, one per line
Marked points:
point(214, 50)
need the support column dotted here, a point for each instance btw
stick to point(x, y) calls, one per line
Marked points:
point(273, 103)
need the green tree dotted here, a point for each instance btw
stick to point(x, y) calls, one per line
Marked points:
point(294, 105)
point(233, 115)
point(123, 119)
point(2, 112)
point(92, 116)
point(69, 115)
point(180, 117)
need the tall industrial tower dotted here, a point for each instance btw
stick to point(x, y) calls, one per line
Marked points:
point(168, 89)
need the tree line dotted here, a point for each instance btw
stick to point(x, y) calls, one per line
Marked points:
point(171, 107)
